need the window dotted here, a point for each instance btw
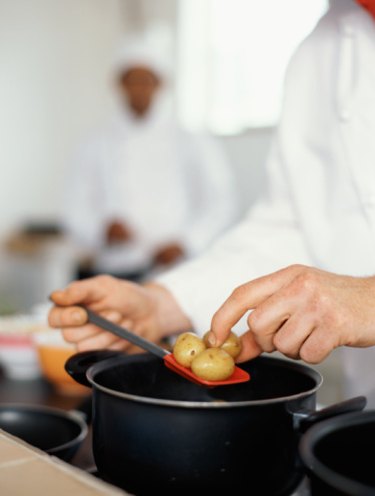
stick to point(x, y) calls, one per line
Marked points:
point(232, 56)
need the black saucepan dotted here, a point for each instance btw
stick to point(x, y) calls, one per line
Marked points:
point(339, 455)
point(57, 432)
point(154, 429)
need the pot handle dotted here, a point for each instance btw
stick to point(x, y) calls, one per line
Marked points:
point(307, 419)
point(77, 365)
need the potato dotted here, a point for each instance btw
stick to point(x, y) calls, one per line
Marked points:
point(232, 345)
point(187, 347)
point(213, 364)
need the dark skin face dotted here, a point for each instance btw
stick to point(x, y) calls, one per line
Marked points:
point(138, 87)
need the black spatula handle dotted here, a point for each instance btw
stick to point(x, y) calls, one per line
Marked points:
point(123, 333)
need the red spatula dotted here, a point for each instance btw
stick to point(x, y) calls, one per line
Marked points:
point(237, 377)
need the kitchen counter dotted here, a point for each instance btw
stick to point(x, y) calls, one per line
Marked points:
point(26, 470)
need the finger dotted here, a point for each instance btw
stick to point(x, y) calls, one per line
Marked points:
point(250, 348)
point(67, 317)
point(271, 315)
point(78, 334)
point(318, 346)
point(134, 350)
point(77, 292)
point(113, 316)
point(290, 338)
point(247, 297)
point(119, 345)
point(102, 341)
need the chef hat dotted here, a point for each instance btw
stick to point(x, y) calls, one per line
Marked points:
point(142, 51)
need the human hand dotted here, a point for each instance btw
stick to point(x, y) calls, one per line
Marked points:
point(118, 232)
point(148, 310)
point(300, 311)
point(169, 254)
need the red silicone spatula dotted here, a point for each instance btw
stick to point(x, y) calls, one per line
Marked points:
point(237, 377)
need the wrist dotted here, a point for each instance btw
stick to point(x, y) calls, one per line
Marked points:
point(368, 311)
point(169, 315)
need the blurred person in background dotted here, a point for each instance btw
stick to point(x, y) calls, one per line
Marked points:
point(144, 193)
point(319, 210)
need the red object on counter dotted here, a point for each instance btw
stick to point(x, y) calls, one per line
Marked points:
point(16, 340)
point(368, 5)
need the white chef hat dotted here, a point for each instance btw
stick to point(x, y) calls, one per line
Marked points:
point(146, 51)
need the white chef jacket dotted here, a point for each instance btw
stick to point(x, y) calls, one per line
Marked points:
point(320, 205)
point(167, 185)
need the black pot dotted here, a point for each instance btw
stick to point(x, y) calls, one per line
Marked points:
point(54, 431)
point(154, 429)
point(338, 455)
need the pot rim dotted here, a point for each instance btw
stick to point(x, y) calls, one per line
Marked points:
point(73, 416)
point(320, 470)
point(106, 364)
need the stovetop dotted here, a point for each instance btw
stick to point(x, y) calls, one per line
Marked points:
point(303, 489)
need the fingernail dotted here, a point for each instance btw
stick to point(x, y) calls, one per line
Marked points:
point(212, 339)
point(55, 294)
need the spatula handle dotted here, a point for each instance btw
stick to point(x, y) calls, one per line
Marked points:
point(145, 344)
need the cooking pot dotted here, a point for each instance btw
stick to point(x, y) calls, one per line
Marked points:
point(338, 455)
point(154, 429)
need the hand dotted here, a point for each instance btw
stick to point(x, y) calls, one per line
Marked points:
point(149, 311)
point(169, 254)
point(300, 311)
point(118, 232)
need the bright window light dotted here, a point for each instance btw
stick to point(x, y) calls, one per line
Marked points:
point(232, 56)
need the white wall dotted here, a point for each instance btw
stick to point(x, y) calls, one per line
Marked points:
point(53, 89)
point(54, 63)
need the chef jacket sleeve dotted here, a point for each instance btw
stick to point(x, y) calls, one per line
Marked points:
point(214, 195)
point(267, 239)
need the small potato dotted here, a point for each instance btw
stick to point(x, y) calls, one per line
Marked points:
point(213, 364)
point(232, 345)
point(187, 347)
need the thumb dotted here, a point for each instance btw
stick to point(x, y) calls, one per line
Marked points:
point(113, 316)
point(250, 348)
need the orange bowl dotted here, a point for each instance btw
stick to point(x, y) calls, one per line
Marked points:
point(53, 352)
